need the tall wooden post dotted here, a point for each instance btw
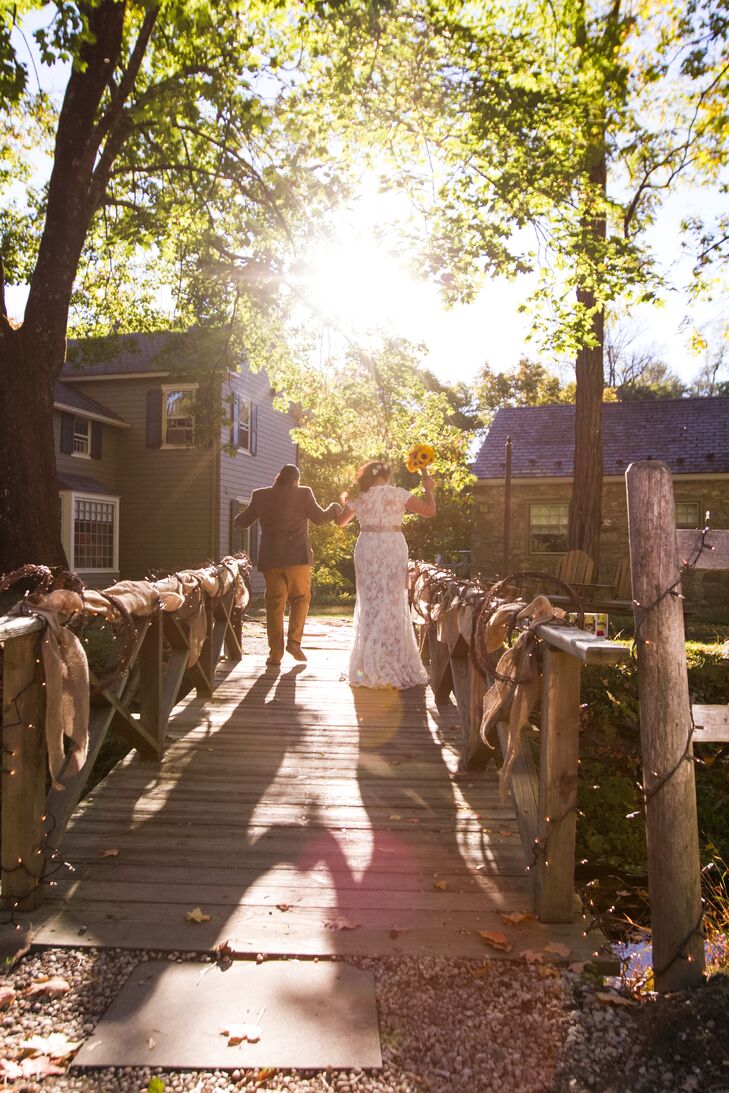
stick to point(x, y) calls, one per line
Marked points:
point(559, 739)
point(507, 507)
point(24, 786)
point(674, 878)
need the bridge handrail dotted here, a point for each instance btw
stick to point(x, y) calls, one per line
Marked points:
point(169, 651)
point(545, 800)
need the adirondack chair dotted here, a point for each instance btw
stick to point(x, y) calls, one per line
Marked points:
point(575, 567)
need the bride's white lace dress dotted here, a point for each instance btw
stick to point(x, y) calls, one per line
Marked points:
point(384, 651)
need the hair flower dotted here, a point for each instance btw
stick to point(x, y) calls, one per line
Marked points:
point(419, 457)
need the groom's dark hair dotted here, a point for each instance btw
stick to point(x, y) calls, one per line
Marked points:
point(287, 475)
point(368, 472)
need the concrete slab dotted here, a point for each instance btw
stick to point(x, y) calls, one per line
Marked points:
point(310, 1015)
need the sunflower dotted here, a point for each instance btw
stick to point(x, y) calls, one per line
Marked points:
point(419, 457)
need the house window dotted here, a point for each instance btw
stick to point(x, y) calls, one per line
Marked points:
point(548, 528)
point(81, 437)
point(245, 415)
point(178, 416)
point(687, 514)
point(94, 533)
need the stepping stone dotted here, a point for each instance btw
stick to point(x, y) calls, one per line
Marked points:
point(310, 1016)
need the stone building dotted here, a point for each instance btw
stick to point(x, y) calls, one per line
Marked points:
point(690, 435)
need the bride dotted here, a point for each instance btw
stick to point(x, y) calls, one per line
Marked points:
point(384, 650)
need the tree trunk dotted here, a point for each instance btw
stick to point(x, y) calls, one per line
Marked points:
point(30, 509)
point(585, 514)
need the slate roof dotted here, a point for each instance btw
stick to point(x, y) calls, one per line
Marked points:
point(132, 354)
point(81, 483)
point(65, 395)
point(691, 435)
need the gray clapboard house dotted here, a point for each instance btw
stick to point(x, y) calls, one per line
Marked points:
point(157, 450)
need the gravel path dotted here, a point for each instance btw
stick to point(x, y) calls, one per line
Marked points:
point(444, 1025)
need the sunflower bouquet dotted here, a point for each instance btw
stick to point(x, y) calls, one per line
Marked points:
point(419, 457)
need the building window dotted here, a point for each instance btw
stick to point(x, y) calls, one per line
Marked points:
point(94, 533)
point(81, 436)
point(245, 415)
point(548, 528)
point(687, 514)
point(178, 416)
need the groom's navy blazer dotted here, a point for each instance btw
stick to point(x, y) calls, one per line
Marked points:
point(284, 513)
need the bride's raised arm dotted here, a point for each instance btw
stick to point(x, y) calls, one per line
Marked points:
point(424, 506)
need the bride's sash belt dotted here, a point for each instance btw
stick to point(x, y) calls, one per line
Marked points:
point(381, 527)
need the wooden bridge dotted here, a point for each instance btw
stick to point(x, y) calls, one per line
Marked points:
point(301, 816)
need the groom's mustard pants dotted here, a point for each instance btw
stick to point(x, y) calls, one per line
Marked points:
point(291, 584)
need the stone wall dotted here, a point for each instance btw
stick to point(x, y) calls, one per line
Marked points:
point(700, 587)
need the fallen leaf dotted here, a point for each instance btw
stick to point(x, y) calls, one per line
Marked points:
point(496, 940)
point(238, 1033)
point(283, 906)
point(197, 915)
point(548, 971)
point(579, 966)
point(57, 1045)
point(7, 996)
point(10, 1070)
point(151, 1043)
point(39, 1067)
point(480, 971)
point(342, 924)
point(614, 999)
point(395, 816)
point(532, 956)
point(265, 1073)
point(109, 854)
point(394, 934)
point(515, 918)
point(506, 834)
point(54, 987)
point(441, 885)
point(557, 948)
point(413, 820)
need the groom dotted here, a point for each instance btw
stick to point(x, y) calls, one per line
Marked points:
point(285, 555)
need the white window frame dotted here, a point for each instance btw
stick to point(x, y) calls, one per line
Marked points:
point(682, 523)
point(68, 520)
point(248, 402)
point(541, 505)
point(166, 389)
point(81, 454)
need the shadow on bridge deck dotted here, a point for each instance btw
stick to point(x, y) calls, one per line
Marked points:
point(304, 817)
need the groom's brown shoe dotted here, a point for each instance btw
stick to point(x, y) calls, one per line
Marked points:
point(296, 651)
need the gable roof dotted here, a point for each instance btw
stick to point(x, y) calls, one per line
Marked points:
point(66, 397)
point(691, 435)
point(158, 353)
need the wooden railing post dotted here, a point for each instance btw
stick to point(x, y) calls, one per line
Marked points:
point(559, 742)
point(24, 786)
point(674, 879)
point(151, 692)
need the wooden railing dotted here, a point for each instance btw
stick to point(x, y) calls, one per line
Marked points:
point(545, 798)
point(160, 667)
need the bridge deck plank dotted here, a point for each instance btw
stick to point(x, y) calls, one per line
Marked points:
point(294, 791)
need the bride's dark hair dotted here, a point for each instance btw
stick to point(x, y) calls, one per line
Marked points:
point(368, 472)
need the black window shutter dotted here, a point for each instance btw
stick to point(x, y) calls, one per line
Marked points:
point(66, 433)
point(235, 413)
point(254, 429)
point(96, 430)
point(154, 418)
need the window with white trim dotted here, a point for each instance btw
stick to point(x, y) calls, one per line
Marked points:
point(245, 431)
point(94, 533)
point(81, 437)
point(548, 528)
point(178, 416)
point(687, 514)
